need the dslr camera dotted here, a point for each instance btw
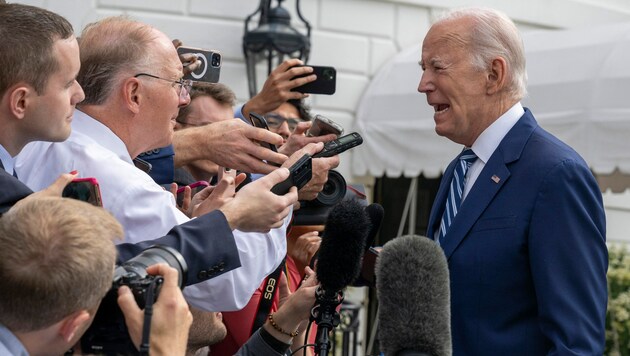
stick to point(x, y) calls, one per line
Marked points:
point(108, 333)
point(314, 212)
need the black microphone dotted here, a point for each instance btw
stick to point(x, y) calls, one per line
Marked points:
point(412, 285)
point(338, 265)
point(375, 212)
point(367, 278)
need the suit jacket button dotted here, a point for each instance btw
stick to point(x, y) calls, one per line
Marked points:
point(202, 275)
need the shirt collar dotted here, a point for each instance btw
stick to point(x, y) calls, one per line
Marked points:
point(103, 135)
point(491, 137)
point(10, 343)
point(7, 160)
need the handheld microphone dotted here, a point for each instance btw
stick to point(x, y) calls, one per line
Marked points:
point(338, 265)
point(412, 285)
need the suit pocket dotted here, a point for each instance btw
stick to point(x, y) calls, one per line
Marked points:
point(504, 222)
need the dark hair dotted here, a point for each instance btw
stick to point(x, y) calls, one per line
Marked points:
point(28, 34)
point(217, 91)
point(303, 109)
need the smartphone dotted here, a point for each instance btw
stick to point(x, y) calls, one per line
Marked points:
point(210, 68)
point(339, 145)
point(300, 173)
point(195, 187)
point(85, 189)
point(324, 126)
point(260, 122)
point(325, 83)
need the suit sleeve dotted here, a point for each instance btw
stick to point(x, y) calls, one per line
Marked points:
point(11, 191)
point(569, 259)
point(206, 243)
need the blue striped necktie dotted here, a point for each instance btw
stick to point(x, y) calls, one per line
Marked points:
point(454, 199)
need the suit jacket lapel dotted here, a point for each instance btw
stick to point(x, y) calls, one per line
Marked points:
point(493, 176)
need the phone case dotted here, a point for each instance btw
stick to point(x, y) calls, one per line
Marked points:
point(85, 189)
point(210, 69)
point(260, 122)
point(324, 126)
point(325, 83)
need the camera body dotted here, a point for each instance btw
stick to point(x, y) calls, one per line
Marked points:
point(108, 333)
point(314, 212)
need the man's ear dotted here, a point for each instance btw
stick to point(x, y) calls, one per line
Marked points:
point(496, 75)
point(74, 323)
point(132, 94)
point(19, 97)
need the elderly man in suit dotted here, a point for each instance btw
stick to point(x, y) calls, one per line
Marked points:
point(518, 213)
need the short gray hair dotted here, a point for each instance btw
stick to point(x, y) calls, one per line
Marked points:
point(495, 34)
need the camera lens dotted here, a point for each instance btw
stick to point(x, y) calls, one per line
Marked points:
point(216, 60)
point(334, 189)
point(153, 255)
point(328, 74)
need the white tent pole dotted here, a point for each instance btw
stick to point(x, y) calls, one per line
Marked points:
point(411, 200)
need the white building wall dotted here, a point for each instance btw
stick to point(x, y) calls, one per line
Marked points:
point(355, 36)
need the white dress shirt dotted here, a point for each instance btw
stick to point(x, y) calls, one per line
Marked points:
point(485, 145)
point(145, 209)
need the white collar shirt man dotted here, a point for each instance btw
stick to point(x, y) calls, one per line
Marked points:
point(145, 210)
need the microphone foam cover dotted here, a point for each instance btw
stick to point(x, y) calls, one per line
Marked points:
point(342, 246)
point(412, 285)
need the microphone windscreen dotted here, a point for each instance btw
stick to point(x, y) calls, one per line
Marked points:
point(375, 213)
point(412, 285)
point(342, 246)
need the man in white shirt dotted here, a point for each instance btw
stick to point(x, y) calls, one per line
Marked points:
point(132, 78)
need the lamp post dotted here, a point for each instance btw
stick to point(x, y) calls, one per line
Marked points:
point(274, 38)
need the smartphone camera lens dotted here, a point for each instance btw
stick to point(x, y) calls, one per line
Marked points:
point(216, 60)
point(328, 74)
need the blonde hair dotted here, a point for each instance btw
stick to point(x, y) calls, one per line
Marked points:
point(57, 256)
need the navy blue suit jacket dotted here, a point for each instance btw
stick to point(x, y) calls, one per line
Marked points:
point(206, 256)
point(526, 252)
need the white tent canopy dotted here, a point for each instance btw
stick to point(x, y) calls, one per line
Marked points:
point(579, 89)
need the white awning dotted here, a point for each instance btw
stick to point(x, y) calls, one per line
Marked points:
point(579, 89)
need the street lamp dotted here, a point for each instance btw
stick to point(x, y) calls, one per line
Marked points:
point(274, 38)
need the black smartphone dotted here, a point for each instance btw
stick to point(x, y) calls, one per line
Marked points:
point(300, 173)
point(339, 145)
point(85, 189)
point(260, 122)
point(325, 83)
point(210, 68)
point(324, 126)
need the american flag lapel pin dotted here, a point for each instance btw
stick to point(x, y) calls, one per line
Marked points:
point(495, 178)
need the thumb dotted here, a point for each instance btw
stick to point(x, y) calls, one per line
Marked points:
point(56, 188)
point(302, 127)
point(275, 177)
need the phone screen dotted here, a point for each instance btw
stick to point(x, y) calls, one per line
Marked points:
point(85, 189)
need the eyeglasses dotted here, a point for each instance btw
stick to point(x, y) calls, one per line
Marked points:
point(184, 85)
point(275, 121)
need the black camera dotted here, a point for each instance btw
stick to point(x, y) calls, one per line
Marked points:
point(314, 212)
point(108, 333)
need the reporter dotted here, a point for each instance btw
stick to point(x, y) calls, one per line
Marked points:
point(56, 264)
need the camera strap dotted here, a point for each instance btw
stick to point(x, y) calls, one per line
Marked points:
point(266, 297)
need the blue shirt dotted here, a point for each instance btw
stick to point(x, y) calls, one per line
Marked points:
point(9, 344)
